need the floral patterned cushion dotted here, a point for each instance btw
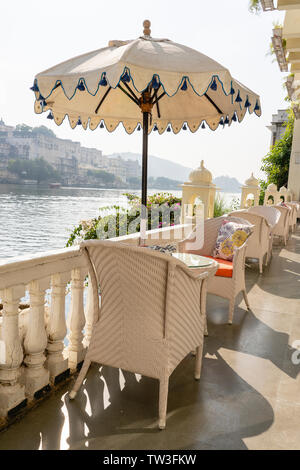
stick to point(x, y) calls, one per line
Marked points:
point(168, 249)
point(231, 236)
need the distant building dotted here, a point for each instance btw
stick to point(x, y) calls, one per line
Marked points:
point(278, 125)
point(133, 169)
point(69, 158)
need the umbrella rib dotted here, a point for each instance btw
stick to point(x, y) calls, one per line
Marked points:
point(102, 99)
point(160, 96)
point(213, 103)
point(153, 97)
point(129, 96)
point(157, 109)
point(131, 91)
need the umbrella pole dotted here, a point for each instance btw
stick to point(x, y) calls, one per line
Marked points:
point(144, 215)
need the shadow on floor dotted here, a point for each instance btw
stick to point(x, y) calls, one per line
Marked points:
point(215, 412)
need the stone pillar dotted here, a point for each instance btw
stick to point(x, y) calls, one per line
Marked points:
point(199, 189)
point(35, 375)
point(12, 393)
point(271, 191)
point(283, 194)
point(251, 187)
point(294, 169)
point(57, 329)
point(76, 319)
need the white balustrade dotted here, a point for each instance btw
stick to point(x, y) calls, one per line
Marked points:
point(76, 319)
point(33, 353)
point(57, 361)
point(36, 377)
point(12, 393)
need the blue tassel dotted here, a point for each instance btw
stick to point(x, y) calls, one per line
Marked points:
point(155, 83)
point(184, 127)
point(257, 107)
point(81, 86)
point(50, 115)
point(214, 85)
point(233, 118)
point(103, 81)
point(226, 120)
point(247, 103)
point(34, 87)
point(238, 98)
point(232, 90)
point(168, 129)
point(101, 125)
point(155, 128)
point(138, 127)
point(125, 78)
point(43, 103)
point(184, 85)
point(221, 121)
point(203, 126)
point(79, 122)
point(41, 98)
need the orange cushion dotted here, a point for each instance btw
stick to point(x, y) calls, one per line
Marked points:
point(225, 267)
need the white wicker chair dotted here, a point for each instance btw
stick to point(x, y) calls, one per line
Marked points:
point(258, 243)
point(272, 215)
point(282, 228)
point(226, 287)
point(294, 214)
point(150, 316)
point(297, 204)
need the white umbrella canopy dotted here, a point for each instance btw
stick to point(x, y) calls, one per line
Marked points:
point(195, 88)
point(155, 84)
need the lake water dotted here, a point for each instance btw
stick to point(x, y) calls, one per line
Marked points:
point(34, 219)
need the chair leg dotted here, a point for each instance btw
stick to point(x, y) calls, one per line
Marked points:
point(260, 261)
point(246, 299)
point(205, 326)
point(198, 362)
point(85, 367)
point(163, 400)
point(231, 309)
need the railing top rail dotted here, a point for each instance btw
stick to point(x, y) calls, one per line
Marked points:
point(23, 269)
point(30, 260)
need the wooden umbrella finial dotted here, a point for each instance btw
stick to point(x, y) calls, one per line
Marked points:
point(147, 30)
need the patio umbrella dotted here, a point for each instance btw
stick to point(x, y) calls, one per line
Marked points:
point(148, 83)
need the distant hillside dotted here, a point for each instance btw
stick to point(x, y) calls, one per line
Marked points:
point(158, 166)
point(227, 184)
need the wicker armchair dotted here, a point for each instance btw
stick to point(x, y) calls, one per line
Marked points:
point(150, 316)
point(293, 215)
point(297, 204)
point(258, 243)
point(272, 215)
point(221, 285)
point(282, 228)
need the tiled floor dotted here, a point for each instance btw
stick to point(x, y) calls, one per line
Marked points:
point(248, 396)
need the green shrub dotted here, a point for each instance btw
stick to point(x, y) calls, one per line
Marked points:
point(120, 221)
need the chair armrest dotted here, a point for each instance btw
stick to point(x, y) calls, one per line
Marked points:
point(239, 259)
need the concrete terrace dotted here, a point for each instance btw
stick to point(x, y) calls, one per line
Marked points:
point(248, 396)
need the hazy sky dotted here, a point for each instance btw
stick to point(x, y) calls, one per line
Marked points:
point(35, 35)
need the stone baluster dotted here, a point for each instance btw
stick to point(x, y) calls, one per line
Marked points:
point(76, 319)
point(12, 393)
point(89, 314)
point(57, 362)
point(35, 375)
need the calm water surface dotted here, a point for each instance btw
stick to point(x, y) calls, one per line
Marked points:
point(34, 219)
